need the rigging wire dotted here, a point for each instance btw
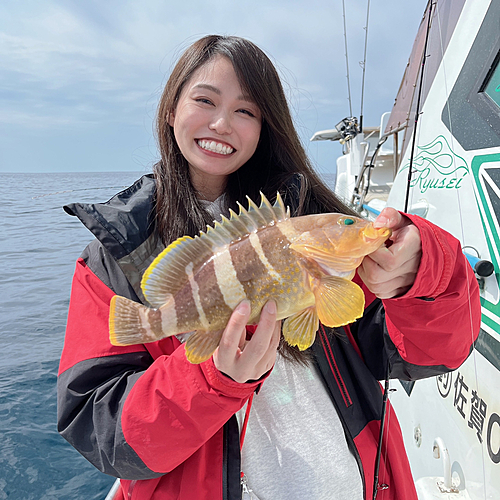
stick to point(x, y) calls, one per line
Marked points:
point(363, 65)
point(347, 60)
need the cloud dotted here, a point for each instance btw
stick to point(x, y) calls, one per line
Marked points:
point(73, 65)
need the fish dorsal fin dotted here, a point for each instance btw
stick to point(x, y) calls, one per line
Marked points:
point(167, 274)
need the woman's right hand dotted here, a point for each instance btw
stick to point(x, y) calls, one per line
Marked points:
point(242, 359)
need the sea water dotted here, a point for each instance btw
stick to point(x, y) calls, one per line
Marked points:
point(39, 244)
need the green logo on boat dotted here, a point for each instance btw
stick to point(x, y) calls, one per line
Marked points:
point(486, 173)
point(436, 166)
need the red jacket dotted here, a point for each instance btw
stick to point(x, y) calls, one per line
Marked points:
point(167, 427)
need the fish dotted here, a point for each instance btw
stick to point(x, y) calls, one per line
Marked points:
point(305, 264)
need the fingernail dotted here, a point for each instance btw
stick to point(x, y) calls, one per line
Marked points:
point(243, 307)
point(380, 221)
point(271, 307)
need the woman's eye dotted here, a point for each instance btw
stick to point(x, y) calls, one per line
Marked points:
point(203, 100)
point(247, 112)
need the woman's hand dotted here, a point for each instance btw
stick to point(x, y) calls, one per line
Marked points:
point(244, 360)
point(391, 270)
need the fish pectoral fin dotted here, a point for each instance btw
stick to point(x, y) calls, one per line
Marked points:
point(201, 345)
point(300, 329)
point(328, 258)
point(132, 323)
point(338, 301)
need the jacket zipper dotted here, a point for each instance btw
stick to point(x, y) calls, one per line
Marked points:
point(350, 443)
point(333, 366)
point(345, 395)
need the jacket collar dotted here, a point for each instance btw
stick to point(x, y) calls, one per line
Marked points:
point(125, 227)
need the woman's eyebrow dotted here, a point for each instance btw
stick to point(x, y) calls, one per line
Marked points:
point(207, 87)
point(217, 91)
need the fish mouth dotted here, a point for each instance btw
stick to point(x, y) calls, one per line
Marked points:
point(215, 147)
point(372, 233)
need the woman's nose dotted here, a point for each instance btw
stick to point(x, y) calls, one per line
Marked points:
point(221, 124)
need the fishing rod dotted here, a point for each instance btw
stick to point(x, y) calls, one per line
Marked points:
point(359, 128)
point(363, 65)
point(347, 60)
point(417, 111)
point(376, 485)
point(74, 190)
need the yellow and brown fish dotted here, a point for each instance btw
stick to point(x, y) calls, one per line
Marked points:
point(303, 263)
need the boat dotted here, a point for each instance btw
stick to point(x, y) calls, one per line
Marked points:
point(114, 493)
point(437, 155)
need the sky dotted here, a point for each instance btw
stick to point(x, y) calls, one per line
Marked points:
point(80, 79)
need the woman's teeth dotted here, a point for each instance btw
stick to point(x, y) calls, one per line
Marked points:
point(216, 147)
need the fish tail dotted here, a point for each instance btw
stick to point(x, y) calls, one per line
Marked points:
point(132, 323)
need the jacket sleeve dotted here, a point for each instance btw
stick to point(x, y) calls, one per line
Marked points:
point(132, 414)
point(433, 327)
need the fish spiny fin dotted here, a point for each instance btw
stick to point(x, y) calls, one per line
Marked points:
point(338, 301)
point(201, 345)
point(166, 275)
point(132, 323)
point(259, 215)
point(300, 329)
point(256, 217)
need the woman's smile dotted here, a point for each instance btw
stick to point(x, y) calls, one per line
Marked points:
point(215, 147)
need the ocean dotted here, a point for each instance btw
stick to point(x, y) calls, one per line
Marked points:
point(39, 245)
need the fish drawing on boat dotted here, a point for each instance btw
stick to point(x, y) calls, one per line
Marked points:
point(304, 263)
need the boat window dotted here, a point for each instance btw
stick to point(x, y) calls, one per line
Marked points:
point(492, 88)
point(491, 178)
point(472, 110)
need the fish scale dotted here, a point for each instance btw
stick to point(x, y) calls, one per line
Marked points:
point(305, 264)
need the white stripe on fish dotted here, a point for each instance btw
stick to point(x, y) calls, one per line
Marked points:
point(229, 284)
point(255, 242)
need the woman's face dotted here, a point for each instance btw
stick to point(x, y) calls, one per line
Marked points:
point(216, 126)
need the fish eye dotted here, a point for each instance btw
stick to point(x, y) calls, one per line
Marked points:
point(348, 222)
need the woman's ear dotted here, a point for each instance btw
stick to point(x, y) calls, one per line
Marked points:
point(171, 118)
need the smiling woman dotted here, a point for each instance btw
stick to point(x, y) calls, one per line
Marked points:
point(216, 127)
point(166, 422)
point(237, 92)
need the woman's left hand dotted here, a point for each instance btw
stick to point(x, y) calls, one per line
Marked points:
point(391, 270)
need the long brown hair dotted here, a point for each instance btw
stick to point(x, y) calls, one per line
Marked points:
point(278, 164)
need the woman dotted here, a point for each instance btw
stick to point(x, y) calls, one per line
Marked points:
point(167, 427)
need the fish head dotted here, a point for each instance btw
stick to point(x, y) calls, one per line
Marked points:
point(338, 242)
